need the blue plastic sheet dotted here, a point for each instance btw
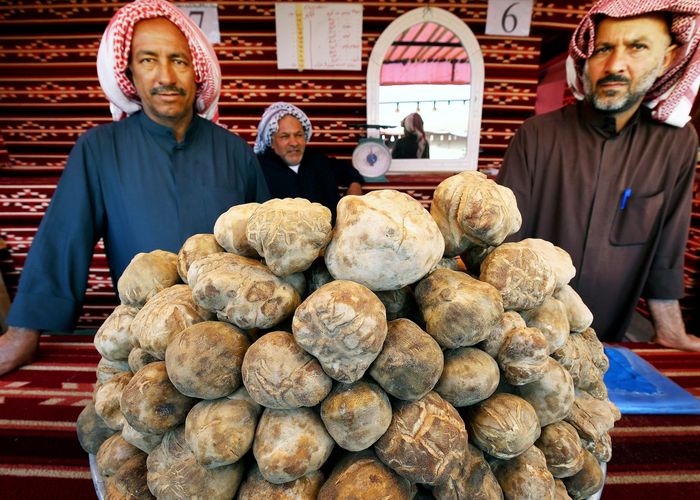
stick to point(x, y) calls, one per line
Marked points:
point(636, 387)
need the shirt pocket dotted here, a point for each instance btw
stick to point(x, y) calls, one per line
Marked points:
point(634, 224)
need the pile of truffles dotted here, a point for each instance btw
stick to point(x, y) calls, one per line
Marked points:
point(400, 354)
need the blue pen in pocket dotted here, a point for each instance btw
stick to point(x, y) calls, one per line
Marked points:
point(625, 196)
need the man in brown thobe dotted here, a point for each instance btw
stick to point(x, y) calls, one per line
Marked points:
point(608, 179)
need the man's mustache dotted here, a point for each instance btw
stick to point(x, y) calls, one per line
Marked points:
point(167, 89)
point(613, 79)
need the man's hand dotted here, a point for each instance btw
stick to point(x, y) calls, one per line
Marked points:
point(355, 188)
point(17, 348)
point(668, 323)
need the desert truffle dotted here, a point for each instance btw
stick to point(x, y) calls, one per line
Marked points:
point(195, 247)
point(289, 233)
point(523, 278)
point(459, 310)
point(579, 315)
point(552, 395)
point(562, 449)
point(342, 324)
point(525, 476)
point(173, 472)
point(523, 355)
point(290, 444)
point(113, 453)
point(146, 275)
point(92, 430)
point(166, 314)
point(356, 414)
point(425, 441)
point(221, 431)
point(241, 291)
point(560, 261)
point(383, 240)
point(473, 480)
point(151, 403)
point(362, 475)
point(112, 338)
point(107, 399)
point(256, 487)
point(551, 319)
point(204, 360)
point(471, 209)
point(470, 375)
point(410, 362)
point(279, 374)
point(230, 229)
point(503, 425)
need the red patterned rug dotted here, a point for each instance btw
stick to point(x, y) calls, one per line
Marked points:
point(654, 456)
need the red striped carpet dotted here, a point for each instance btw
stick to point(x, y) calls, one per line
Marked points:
point(654, 456)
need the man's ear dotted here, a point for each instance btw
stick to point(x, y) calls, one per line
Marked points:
point(670, 55)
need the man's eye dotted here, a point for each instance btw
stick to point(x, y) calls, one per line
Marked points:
point(601, 50)
point(639, 46)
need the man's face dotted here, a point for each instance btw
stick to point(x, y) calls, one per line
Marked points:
point(629, 55)
point(289, 140)
point(162, 72)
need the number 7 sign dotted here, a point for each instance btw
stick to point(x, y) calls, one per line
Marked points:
point(509, 17)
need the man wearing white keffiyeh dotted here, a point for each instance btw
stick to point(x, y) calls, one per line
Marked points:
point(161, 172)
point(609, 179)
point(294, 171)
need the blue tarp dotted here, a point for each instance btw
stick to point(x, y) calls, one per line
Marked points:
point(636, 387)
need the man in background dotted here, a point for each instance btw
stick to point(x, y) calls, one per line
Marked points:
point(294, 171)
point(609, 179)
point(161, 172)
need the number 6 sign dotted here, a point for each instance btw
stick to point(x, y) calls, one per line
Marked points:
point(509, 17)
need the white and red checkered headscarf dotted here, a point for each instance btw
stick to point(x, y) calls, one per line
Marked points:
point(115, 49)
point(672, 95)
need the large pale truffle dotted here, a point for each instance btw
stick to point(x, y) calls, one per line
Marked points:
point(520, 274)
point(289, 233)
point(552, 395)
point(107, 399)
point(92, 430)
point(551, 319)
point(290, 444)
point(425, 441)
point(471, 209)
point(241, 291)
point(112, 338)
point(523, 355)
point(173, 472)
point(256, 487)
point(279, 374)
point(144, 441)
point(166, 314)
point(151, 403)
point(556, 257)
point(130, 481)
point(526, 476)
point(587, 481)
point(470, 375)
point(473, 480)
point(219, 432)
point(195, 247)
point(230, 229)
point(146, 275)
point(579, 315)
point(410, 362)
point(356, 414)
point(362, 475)
point(383, 240)
point(503, 425)
point(459, 310)
point(509, 321)
point(343, 324)
point(113, 453)
point(204, 361)
point(562, 449)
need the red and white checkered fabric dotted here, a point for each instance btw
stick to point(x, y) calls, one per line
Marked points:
point(115, 48)
point(672, 95)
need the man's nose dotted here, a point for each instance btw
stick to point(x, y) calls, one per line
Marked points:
point(166, 74)
point(616, 61)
